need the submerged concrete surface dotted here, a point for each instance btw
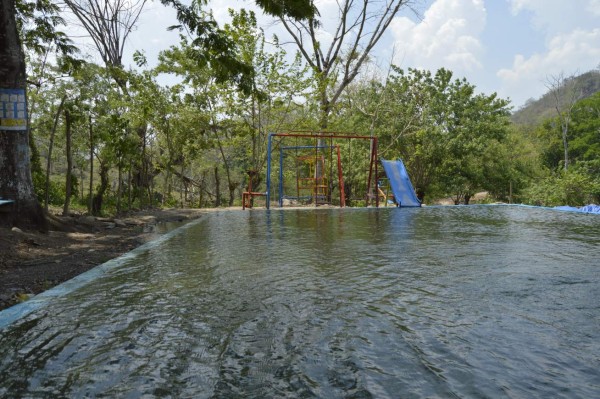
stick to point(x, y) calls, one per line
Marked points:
point(14, 313)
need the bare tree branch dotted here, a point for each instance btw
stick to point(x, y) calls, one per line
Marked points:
point(361, 25)
point(566, 92)
point(109, 23)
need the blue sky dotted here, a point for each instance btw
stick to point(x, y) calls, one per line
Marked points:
point(506, 46)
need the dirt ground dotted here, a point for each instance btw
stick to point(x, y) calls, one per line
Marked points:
point(31, 262)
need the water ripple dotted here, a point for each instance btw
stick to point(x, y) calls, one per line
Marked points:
point(411, 303)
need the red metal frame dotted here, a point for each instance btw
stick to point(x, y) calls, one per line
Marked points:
point(248, 195)
point(340, 135)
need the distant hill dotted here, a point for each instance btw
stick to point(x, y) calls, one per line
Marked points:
point(536, 111)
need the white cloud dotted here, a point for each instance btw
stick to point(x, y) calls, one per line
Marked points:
point(577, 48)
point(594, 7)
point(575, 52)
point(326, 6)
point(448, 36)
point(553, 17)
point(572, 44)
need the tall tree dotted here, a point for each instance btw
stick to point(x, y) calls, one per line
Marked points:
point(214, 47)
point(15, 169)
point(69, 153)
point(360, 26)
point(109, 23)
point(275, 83)
point(565, 93)
point(236, 124)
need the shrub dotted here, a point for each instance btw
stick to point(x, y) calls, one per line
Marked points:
point(574, 187)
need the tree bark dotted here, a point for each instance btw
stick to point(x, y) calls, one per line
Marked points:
point(15, 163)
point(566, 92)
point(129, 185)
point(119, 185)
point(180, 189)
point(90, 199)
point(69, 177)
point(99, 197)
point(217, 187)
point(50, 148)
point(230, 184)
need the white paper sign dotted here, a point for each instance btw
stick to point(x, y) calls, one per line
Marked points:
point(13, 109)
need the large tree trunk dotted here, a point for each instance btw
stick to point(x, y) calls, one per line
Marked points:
point(230, 184)
point(15, 165)
point(202, 189)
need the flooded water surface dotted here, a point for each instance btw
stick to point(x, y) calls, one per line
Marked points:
point(471, 302)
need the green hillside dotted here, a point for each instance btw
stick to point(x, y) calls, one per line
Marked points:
point(535, 111)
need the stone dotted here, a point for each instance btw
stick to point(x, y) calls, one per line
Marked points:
point(120, 223)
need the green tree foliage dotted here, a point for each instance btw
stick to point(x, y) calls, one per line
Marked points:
point(38, 22)
point(234, 124)
point(580, 184)
point(585, 130)
point(295, 9)
point(212, 46)
point(444, 131)
point(583, 135)
point(574, 187)
point(276, 86)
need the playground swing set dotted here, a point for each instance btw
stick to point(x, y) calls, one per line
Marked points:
point(313, 184)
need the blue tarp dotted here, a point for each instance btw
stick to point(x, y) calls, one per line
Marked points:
point(592, 208)
point(404, 193)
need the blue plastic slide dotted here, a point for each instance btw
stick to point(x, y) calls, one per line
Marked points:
point(404, 193)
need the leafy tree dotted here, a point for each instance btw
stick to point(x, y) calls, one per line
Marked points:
point(578, 185)
point(359, 28)
point(585, 130)
point(211, 46)
point(237, 123)
point(583, 133)
point(442, 129)
point(276, 83)
point(573, 187)
point(38, 23)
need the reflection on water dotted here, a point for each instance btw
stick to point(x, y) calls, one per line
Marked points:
point(411, 303)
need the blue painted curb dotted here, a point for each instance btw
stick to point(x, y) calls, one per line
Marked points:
point(16, 312)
